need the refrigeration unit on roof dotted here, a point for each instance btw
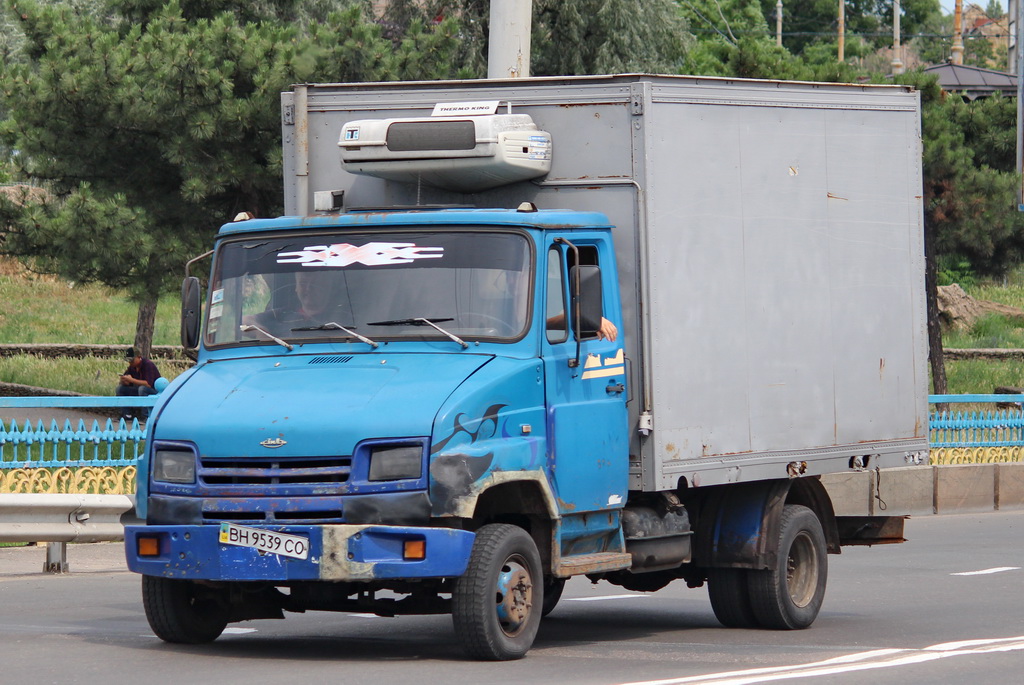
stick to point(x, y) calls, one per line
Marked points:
point(465, 154)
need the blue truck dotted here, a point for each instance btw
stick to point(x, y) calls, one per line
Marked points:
point(512, 332)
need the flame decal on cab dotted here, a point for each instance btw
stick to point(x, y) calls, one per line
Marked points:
point(488, 421)
point(452, 470)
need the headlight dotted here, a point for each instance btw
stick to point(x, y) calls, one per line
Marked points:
point(174, 466)
point(396, 462)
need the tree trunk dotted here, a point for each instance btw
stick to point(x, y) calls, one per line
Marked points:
point(935, 356)
point(144, 325)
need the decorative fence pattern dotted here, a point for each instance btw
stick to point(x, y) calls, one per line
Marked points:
point(75, 458)
point(119, 445)
point(88, 480)
point(977, 436)
point(103, 459)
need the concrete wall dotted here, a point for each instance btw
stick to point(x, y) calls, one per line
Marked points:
point(54, 350)
point(920, 490)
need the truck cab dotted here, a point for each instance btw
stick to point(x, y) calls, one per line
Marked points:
point(374, 387)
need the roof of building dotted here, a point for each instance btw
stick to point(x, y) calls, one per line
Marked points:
point(973, 82)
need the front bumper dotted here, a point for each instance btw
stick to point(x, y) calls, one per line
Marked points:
point(336, 553)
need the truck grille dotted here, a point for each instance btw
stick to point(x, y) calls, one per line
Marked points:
point(286, 510)
point(276, 476)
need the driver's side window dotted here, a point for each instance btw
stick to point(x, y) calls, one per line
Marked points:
point(557, 322)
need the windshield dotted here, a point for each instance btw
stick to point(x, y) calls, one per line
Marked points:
point(447, 285)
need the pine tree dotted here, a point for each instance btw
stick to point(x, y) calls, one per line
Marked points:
point(570, 37)
point(150, 132)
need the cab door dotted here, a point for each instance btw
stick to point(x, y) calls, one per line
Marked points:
point(586, 395)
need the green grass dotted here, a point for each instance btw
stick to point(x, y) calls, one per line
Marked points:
point(1010, 294)
point(990, 331)
point(45, 309)
point(982, 376)
point(89, 375)
point(1009, 290)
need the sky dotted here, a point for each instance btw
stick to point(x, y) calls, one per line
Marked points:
point(947, 5)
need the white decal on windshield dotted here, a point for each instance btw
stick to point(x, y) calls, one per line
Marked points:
point(370, 254)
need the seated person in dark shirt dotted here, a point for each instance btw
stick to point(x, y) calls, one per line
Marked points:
point(138, 379)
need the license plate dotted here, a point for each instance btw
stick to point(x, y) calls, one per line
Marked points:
point(295, 546)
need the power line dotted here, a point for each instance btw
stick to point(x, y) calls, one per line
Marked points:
point(863, 34)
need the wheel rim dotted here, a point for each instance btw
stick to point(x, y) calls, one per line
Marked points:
point(802, 570)
point(514, 595)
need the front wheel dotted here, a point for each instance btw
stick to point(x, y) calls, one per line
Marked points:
point(789, 596)
point(182, 611)
point(497, 603)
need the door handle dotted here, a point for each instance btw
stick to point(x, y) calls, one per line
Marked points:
point(615, 388)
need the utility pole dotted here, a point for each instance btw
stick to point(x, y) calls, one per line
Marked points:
point(842, 30)
point(957, 56)
point(897, 49)
point(508, 52)
point(1019, 50)
point(778, 23)
point(1011, 39)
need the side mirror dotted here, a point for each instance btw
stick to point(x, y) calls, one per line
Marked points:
point(585, 292)
point(191, 309)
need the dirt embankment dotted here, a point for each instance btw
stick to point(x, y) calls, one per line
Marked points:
point(959, 310)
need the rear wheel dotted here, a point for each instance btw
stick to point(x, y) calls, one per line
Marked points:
point(789, 596)
point(182, 611)
point(729, 591)
point(497, 603)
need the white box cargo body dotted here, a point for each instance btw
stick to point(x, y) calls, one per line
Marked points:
point(769, 243)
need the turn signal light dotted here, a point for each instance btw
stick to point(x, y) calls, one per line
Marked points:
point(414, 550)
point(148, 547)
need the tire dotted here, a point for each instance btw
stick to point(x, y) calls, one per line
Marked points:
point(497, 603)
point(789, 596)
point(552, 593)
point(183, 612)
point(729, 591)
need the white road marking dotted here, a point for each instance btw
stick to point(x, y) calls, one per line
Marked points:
point(227, 631)
point(987, 571)
point(603, 597)
point(879, 658)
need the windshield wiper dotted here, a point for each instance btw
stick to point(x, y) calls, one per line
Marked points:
point(246, 327)
point(334, 325)
point(420, 321)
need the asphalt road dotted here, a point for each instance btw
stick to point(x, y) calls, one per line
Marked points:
point(946, 607)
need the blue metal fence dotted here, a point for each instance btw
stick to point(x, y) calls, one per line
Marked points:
point(1000, 427)
point(76, 443)
point(117, 443)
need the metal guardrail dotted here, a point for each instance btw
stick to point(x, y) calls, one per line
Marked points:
point(63, 518)
point(60, 519)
